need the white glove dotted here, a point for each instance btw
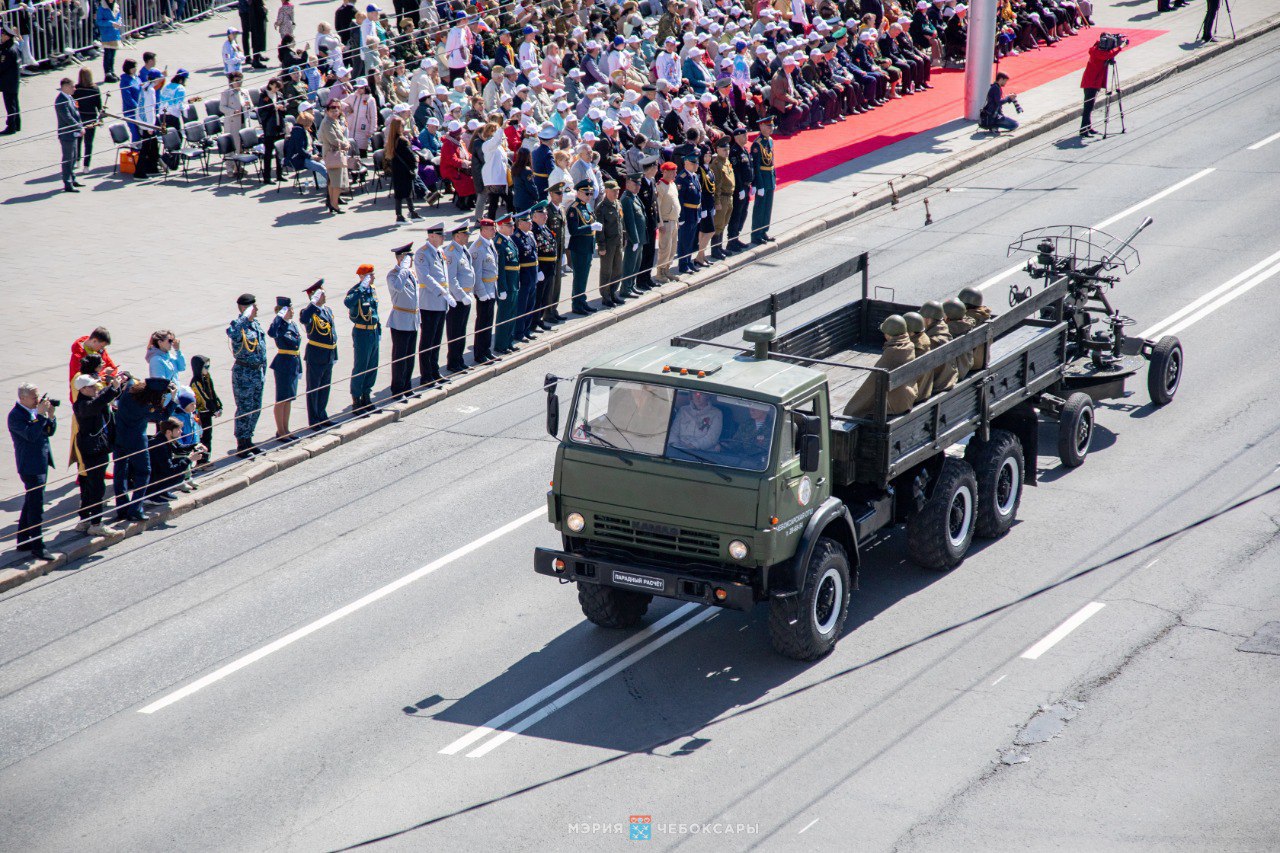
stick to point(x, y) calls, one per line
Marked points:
point(635, 247)
point(452, 302)
point(502, 297)
point(541, 276)
point(742, 193)
point(596, 226)
point(759, 193)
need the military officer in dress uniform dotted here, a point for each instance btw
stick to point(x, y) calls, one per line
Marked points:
point(581, 227)
point(508, 286)
point(434, 302)
point(287, 364)
point(548, 260)
point(609, 244)
point(484, 261)
point(648, 193)
point(366, 338)
point(248, 373)
point(722, 171)
point(462, 279)
point(402, 284)
point(762, 179)
point(527, 247)
point(633, 221)
point(740, 159)
point(556, 222)
point(322, 352)
point(543, 160)
point(689, 187)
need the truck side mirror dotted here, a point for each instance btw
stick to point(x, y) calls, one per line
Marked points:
point(810, 452)
point(553, 407)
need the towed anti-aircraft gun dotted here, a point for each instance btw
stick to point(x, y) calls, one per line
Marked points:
point(1100, 356)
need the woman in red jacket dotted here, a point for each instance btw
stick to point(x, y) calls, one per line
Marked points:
point(1093, 81)
point(455, 167)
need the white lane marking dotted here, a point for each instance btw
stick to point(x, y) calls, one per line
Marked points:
point(1200, 301)
point(559, 684)
point(1222, 300)
point(1000, 679)
point(604, 675)
point(1255, 146)
point(381, 592)
point(1055, 636)
point(809, 824)
point(1152, 563)
point(996, 279)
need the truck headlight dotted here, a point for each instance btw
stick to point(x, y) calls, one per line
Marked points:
point(738, 549)
point(575, 522)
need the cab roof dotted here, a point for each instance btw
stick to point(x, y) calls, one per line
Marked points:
point(726, 371)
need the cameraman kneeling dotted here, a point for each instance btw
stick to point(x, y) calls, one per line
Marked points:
point(992, 116)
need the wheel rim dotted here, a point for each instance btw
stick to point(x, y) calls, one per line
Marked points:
point(1173, 372)
point(826, 602)
point(1084, 431)
point(1007, 486)
point(960, 516)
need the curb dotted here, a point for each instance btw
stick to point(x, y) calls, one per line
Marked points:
point(241, 476)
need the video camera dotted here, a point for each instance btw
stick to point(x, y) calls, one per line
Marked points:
point(1112, 41)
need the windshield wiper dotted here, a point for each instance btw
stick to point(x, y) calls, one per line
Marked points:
point(722, 475)
point(590, 433)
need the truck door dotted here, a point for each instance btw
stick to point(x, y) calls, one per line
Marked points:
point(799, 493)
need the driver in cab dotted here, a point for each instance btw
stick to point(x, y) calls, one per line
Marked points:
point(698, 423)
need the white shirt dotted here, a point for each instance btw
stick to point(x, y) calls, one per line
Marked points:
point(457, 47)
point(697, 429)
point(529, 52)
point(667, 66)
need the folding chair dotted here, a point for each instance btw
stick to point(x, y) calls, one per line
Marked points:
point(191, 114)
point(120, 138)
point(212, 126)
point(379, 160)
point(185, 153)
point(213, 108)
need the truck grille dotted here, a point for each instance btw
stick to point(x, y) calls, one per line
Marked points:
point(643, 534)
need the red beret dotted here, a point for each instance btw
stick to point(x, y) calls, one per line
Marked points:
point(668, 166)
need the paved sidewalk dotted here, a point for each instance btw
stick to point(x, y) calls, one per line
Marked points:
point(175, 255)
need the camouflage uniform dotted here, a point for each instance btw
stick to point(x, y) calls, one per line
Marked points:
point(248, 374)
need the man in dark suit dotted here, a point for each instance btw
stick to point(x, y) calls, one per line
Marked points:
point(10, 77)
point(30, 425)
point(70, 132)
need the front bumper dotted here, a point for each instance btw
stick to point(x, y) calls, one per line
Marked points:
point(638, 577)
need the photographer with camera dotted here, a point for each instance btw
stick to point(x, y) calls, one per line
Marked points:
point(992, 116)
point(94, 419)
point(1101, 57)
point(31, 423)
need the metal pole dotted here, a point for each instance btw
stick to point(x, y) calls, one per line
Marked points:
point(979, 56)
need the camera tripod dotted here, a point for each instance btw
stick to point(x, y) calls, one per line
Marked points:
point(1113, 89)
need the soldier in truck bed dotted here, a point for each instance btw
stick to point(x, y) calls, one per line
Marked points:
point(958, 323)
point(935, 326)
point(978, 314)
point(898, 350)
point(920, 340)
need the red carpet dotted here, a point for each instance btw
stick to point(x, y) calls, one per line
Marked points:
point(813, 151)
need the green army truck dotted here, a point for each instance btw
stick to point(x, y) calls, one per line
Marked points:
point(728, 475)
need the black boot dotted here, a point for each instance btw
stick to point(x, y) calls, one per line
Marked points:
point(244, 448)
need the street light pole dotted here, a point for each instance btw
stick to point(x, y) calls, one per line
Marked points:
point(980, 54)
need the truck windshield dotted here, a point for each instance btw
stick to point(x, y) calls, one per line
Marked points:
point(657, 420)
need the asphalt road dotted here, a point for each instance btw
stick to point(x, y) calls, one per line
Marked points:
point(350, 623)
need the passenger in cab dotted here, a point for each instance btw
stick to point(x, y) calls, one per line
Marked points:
point(698, 423)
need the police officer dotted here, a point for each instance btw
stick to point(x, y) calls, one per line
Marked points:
point(609, 244)
point(689, 187)
point(508, 286)
point(484, 261)
point(322, 352)
point(366, 338)
point(648, 195)
point(287, 364)
point(527, 246)
point(248, 373)
point(740, 159)
point(548, 260)
point(402, 284)
point(434, 302)
point(762, 178)
point(555, 222)
point(581, 226)
point(633, 223)
point(462, 279)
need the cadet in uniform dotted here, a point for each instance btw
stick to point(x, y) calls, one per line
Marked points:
point(366, 338)
point(287, 364)
point(402, 284)
point(935, 326)
point(609, 243)
point(548, 260)
point(958, 324)
point(508, 286)
point(978, 313)
point(722, 172)
point(322, 352)
point(633, 222)
point(762, 178)
point(581, 226)
point(898, 350)
point(920, 340)
point(434, 302)
point(743, 173)
point(484, 261)
point(555, 221)
point(668, 203)
point(462, 280)
point(689, 187)
point(248, 373)
point(527, 248)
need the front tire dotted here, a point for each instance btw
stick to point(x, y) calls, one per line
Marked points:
point(612, 608)
point(998, 466)
point(806, 626)
point(1164, 372)
point(1075, 429)
point(939, 535)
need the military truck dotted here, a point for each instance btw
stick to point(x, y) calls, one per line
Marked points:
point(725, 474)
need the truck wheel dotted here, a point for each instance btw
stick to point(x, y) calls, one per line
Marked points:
point(998, 466)
point(806, 626)
point(940, 533)
point(1075, 429)
point(612, 608)
point(1164, 373)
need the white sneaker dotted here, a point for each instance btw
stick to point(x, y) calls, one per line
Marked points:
point(187, 486)
point(97, 530)
point(82, 527)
